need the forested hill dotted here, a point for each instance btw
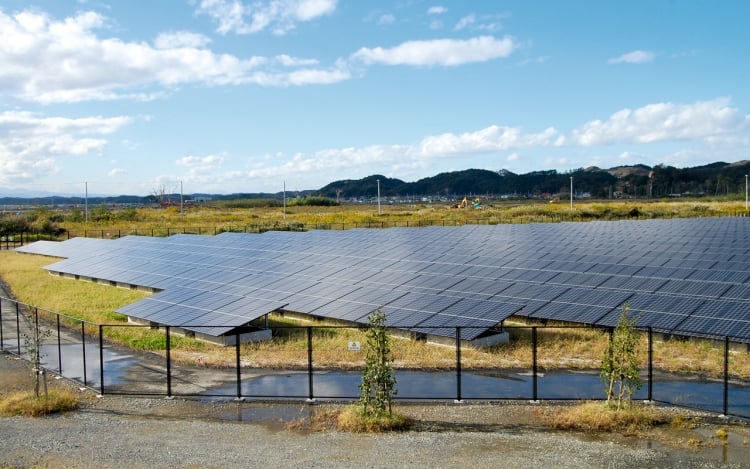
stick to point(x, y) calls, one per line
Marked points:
point(624, 181)
point(628, 181)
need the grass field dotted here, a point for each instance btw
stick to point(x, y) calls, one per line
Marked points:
point(208, 219)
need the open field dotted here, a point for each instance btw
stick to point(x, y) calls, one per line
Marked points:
point(213, 218)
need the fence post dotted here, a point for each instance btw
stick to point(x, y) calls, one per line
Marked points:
point(458, 366)
point(169, 366)
point(1, 324)
point(18, 328)
point(59, 346)
point(83, 347)
point(650, 364)
point(310, 396)
point(726, 376)
point(239, 373)
point(535, 395)
point(101, 361)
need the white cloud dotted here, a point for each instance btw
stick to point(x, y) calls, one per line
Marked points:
point(635, 57)
point(439, 52)
point(465, 22)
point(280, 16)
point(385, 19)
point(115, 172)
point(209, 161)
point(437, 10)
point(30, 145)
point(288, 61)
point(49, 61)
point(179, 39)
point(490, 139)
point(663, 122)
point(653, 123)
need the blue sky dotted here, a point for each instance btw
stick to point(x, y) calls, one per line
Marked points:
point(253, 95)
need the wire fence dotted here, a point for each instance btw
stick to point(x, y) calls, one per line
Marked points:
point(305, 364)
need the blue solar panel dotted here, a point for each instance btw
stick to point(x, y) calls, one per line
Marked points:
point(678, 275)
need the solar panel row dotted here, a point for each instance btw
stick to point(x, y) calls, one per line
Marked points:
point(682, 276)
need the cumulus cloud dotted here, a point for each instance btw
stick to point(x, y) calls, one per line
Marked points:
point(375, 158)
point(635, 57)
point(439, 52)
point(280, 16)
point(663, 122)
point(701, 121)
point(50, 61)
point(490, 139)
point(30, 144)
point(437, 10)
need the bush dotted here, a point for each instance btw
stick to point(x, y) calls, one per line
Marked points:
point(312, 201)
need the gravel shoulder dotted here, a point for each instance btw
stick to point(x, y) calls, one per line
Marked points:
point(160, 433)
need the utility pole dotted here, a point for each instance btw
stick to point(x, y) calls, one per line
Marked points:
point(378, 196)
point(571, 192)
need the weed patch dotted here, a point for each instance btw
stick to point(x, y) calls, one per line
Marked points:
point(354, 419)
point(600, 417)
point(24, 403)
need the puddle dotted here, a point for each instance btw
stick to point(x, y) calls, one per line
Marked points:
point(273, 416)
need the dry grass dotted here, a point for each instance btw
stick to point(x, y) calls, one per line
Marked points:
point(600, 417)
point(24, 403)
point(209, 218)
point(353, 419)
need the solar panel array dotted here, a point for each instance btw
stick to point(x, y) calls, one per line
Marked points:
point(682, 276)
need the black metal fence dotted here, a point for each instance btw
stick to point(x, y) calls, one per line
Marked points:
point(78, 350)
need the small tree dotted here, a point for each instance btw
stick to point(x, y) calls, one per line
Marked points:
point(378, 382)
point(619, 371)
point(33, 340)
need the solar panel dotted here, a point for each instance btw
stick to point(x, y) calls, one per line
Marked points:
point(684, 275)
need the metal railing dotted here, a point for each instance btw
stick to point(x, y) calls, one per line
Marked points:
point(79, 350)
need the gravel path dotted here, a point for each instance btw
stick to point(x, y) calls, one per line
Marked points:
point(116, 432)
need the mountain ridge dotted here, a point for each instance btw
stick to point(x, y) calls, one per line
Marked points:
point(637, 180)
